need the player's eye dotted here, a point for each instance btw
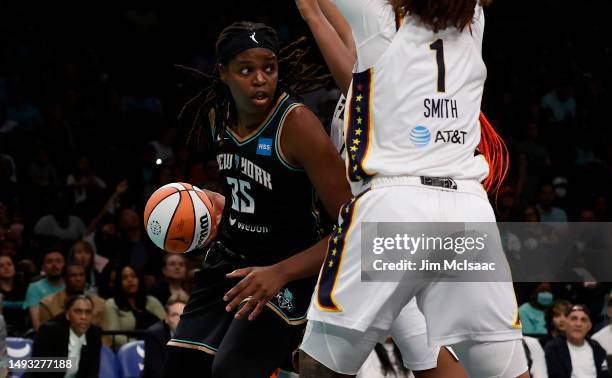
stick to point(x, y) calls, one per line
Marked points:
point(270, 68)
point(245, 70)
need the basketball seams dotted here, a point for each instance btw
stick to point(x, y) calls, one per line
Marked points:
point(147, 216)
point(170, 223)
point(176, 234)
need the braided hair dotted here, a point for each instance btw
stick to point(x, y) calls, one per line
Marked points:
point(296, 76)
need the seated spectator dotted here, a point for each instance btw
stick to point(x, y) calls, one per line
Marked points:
point(71, 335)
point(536, 361)
point(384, 361)
point(548, 212)
point(84, 180)
point(573, 355)
point(74, 279)
point(131, 309)
point(136, 248)
point(604, 335)
point(532, 313)
point(51, 283)
point(555, 320)
point(159, 334)
point(175, 272)
point(13, 294)
point(60, 223)
point(41, 170)
point(82, 253)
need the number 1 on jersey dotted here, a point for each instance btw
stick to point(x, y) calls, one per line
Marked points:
point(439, 47)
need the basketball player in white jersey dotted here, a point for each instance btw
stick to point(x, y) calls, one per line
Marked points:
point(411, 133)
point(409, 329)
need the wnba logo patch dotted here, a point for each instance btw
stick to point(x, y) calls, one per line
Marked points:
point(420, 136)
point(264, 146)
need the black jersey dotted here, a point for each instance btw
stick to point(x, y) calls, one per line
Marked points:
point(269, 209)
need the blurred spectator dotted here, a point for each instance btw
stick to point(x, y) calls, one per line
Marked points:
point(26, 115)
point(131, 309)
point(71, 335)
point(13, 296)
point(546, 210)
point(555, 320)
point(604, 335)
point(136, 249)
point(384, 361)
point(41, 170)
point(8, 188)
point(159, 334)
point(537, 155)
point(60, 223)
point(83, 179)
point(174, 273)
point(532, 313)
point(536, 360)
point(572, 354)
point(51, 283)
point(74, 279)
point(561, 101)
point(601, 209)
point(164, 146)
point(82, 253)
point(86, 187)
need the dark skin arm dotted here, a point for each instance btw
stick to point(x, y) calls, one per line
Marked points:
point(333, 36)
point(302, 131)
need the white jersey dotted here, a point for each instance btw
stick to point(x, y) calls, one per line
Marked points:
point(414, 102)
point(336, 130)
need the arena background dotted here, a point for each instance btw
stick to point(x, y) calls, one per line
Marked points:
point(96, 79)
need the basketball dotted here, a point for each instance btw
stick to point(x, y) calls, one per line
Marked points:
point(179, 217)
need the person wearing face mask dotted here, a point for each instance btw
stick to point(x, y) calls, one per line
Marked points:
point(159, 334)
point(532, 313)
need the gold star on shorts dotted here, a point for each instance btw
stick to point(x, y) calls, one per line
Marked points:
point(359, 120)
point(356, 142)
point(359, 98)
point(331, 263)
point(353, 148)
point(334, 251)
point(358, 132)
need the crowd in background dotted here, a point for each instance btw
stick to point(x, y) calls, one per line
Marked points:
point(88, 130)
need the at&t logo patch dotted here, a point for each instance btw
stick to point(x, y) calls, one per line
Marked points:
point(420, 136)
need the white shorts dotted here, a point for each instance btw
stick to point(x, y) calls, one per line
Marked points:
point(345, 350)
point(480, 311)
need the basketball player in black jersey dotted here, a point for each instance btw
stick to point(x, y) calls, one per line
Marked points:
point(272, 152)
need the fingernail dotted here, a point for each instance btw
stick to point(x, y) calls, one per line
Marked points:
point(225, 298)
point(228, 309)
point(236, 316)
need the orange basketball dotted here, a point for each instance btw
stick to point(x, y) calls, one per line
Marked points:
point(179, 217)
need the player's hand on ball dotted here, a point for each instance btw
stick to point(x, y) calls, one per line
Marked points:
point(218, 201)
point(259, 283)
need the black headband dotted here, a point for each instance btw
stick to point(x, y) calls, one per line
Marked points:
point(250, 39)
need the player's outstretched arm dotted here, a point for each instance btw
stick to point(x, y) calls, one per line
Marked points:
point(333, 36)
point(304, 144)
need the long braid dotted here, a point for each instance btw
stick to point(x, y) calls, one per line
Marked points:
point(297, 75)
